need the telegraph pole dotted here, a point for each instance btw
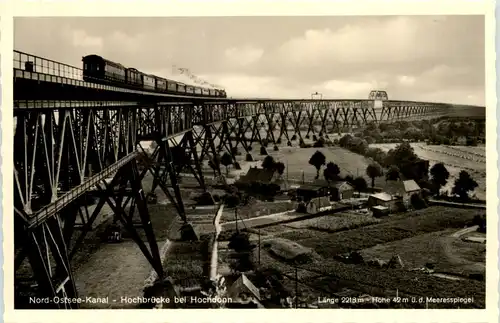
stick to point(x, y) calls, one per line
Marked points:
point(259, 247)
point(236, 218)
point(296, 288)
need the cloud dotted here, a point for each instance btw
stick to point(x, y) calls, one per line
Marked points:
point(390, 40)
point(79, 38)
point(406, 80)
point(243, 55)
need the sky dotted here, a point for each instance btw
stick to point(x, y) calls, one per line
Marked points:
point(419, 58)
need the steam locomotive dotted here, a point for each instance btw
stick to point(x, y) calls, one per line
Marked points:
point(97, 69)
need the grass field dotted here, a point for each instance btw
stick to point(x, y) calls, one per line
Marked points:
point(436, 154)
point(297, 161)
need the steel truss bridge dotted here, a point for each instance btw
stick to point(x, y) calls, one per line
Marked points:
point(75, 141)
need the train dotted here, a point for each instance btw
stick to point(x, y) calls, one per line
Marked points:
point(97, 69)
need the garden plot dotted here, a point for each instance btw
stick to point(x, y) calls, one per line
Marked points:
point(429, 220)
point(336, 222)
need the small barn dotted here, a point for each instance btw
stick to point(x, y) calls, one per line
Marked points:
point(310, 191)
point(341, 191)
point(318, 204)
point(402, 189)
point(383, 199)
point(259, 176)
point(243, 291)
point(336, 190)
point(379, 211)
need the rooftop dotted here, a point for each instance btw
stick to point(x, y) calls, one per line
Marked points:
point(257, 175)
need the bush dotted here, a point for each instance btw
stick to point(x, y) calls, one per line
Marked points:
point(237, 166)
point(232, 200)
point(294, 137)
point(418, 202)
point(318, 144)
point(205, 199)
point(265, 143)
point(278, 141)
point(276, 148)
point(301, 208)
point(263, 151)
point(400, 207)
point(249, 157)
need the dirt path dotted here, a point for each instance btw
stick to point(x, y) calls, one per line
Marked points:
point(460, 233)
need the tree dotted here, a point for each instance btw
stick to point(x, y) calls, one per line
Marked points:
point(317, 160)
point(241, 244)
point(268, 163)
point(360, 184)
point(403, 154)
point(232, 200)
point(226, 160)
point(439, 176)
point(331, 172)
point(345, 141)
point(418, 202)
point(392, 174)
point(374, 170)
point(463, 185)
point(280, 168)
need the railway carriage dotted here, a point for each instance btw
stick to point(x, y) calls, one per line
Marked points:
point(97, 69)
point(181, 88)
point(149, 81)
point(161, 84)
point(172, 86)
point(134, 77)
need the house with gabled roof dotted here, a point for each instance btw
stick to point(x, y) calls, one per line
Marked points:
point(403, 189)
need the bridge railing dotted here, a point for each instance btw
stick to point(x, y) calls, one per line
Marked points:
point(31, 63)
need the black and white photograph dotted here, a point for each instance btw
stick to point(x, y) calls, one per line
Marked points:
point(257, 162)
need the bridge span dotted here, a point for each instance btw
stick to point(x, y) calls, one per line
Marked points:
point(74, 140)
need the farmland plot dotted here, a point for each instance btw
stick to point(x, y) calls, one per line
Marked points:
point(423, 221)
point(336, 222)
